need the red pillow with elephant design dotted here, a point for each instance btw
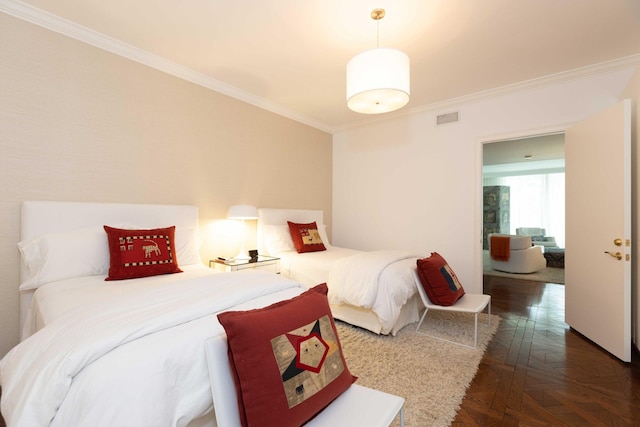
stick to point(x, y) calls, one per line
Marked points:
point(141, 253)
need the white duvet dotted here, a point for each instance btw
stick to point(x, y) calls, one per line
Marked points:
point(137, 362)
point(378, 280)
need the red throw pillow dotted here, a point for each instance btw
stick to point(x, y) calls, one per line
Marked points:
point(306, 237)
point(141, 253)
point(287, 359)
point(439, 280)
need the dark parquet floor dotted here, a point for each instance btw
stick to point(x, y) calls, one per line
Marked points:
point(539, 372)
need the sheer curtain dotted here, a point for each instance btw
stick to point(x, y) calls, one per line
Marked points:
point(536, 201)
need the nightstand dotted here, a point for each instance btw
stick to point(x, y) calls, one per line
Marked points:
point(263, 262)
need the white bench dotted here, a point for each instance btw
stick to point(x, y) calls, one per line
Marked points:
point(357, 406)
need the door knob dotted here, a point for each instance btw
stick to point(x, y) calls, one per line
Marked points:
point(616, 255)
point(617, 242)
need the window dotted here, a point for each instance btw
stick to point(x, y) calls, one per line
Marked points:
point(536, 201)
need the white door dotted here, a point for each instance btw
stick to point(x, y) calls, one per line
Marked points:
point(598, 213)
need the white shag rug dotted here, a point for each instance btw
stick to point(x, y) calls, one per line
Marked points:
point(432, 375)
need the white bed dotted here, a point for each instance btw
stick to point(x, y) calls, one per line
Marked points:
point(128, 352)
point(386, 302)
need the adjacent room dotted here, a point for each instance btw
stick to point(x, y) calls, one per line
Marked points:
point(278, 213)
point(524, 194)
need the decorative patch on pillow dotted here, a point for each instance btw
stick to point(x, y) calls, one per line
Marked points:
point(308, 359)
point(306, 237)
point(438, 280)
point(286, 359)
point(141, 253)
point(451, 278)
point(537, 238)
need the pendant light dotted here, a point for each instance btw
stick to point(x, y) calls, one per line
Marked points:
point(378, 79)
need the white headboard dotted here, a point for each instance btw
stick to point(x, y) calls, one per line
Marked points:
point(41, 217)
point(273, 216)
point(53, 217)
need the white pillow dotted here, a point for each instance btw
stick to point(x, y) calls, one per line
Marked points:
point(187, 246)
point(57, 256)
point(277, 239)
point(322, 229)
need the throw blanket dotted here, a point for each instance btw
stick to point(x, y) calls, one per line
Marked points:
point(38, 374)
point(500, 248)
point(355, 280)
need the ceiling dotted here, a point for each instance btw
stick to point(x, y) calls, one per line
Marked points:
point(524, 156)
point(534, 149)
point(289, 56)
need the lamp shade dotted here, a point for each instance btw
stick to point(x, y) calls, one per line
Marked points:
point(242, 212)
point(378, 81)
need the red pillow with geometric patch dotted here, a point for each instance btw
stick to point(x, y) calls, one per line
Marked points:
point(287, 359)
point(438, 280)
point(306, 237)
point(141, 253)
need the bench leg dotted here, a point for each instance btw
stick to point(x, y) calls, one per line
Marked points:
point(422, 318)
point(475, 331)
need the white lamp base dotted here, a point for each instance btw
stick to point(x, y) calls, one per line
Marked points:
point(242, 255)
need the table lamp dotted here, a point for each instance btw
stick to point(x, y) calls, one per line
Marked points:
point(242, 212)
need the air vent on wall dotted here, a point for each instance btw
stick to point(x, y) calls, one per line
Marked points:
point(447, 118)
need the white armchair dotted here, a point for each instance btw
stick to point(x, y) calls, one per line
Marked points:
point(523, 256)
point(538, 236)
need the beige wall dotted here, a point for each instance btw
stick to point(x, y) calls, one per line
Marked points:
point(81, 124)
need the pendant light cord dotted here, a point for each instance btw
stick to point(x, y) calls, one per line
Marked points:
point(377, 15)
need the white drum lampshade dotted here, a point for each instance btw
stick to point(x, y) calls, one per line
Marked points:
point(242, 212)
point(378, 81)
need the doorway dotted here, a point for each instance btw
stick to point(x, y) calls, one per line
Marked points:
point(527, 172)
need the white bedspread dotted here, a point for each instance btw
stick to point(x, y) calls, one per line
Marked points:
point(312, 268)
point(378, 280)
point(55, 299)
point(137, 362)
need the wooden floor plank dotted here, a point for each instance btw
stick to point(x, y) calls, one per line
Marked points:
point(538, 371)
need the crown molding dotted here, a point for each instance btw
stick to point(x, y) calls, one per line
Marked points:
point(561, 77)
point(55, 23)
point(564, 76)
point(65, 27)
